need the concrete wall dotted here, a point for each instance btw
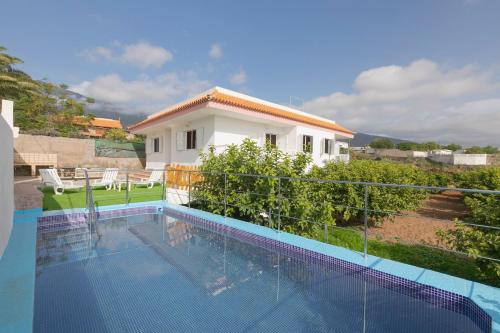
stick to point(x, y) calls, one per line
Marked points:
point(6, 180)
point(72, 152)
point(470, 159)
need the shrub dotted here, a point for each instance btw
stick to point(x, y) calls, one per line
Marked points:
point(250, 197)
point(484, 210)
point(348, 199)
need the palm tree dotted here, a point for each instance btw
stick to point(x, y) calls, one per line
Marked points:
point(14, 82)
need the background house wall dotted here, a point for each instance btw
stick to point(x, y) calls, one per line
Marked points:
point(6, 176)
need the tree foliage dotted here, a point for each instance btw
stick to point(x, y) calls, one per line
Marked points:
point(382, 143)
point(51, 112)
point(481, 150)
point(14, 82)
point(116, 134)
point(40, 107)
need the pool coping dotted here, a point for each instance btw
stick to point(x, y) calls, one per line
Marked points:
point(17, 273)
point(486, 297)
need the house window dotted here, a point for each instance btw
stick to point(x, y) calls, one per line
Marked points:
point(271, 139)
point(191, 139)
point(156, 145)
point(329, 145)
point(307, 143)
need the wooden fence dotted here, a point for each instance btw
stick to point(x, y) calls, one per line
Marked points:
point(178, 177)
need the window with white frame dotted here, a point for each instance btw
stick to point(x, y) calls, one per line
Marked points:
point(307, 143)
point(188, 140)
point(191, 139)
point(329, 146)
point(271, 139)
point(156, 145)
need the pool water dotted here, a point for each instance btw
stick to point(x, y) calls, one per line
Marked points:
point(156, 273)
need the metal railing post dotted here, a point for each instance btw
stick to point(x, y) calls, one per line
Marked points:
point(189, 188)
point(279, 203)
point(163, 185)
point(326, 233)
point(225, 194)
point(126, 187)
point(365, 250)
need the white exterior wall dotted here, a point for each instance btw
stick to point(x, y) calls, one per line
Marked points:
point(470, 159)
point(222, 131)
point(318, 155)
point(203, 141)
point(234, 131)
point(6, 175)
point(158, 160)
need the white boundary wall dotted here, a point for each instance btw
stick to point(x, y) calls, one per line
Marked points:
point(6, 174)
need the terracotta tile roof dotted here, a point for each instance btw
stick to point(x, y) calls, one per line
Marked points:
point(101, 122)
point(246, 103)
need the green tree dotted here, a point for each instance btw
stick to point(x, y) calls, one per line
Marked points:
point(382, 143)
point(407, 145)
point(116, 134)
point(14, 82)
point(453, 147)
point(481, 150)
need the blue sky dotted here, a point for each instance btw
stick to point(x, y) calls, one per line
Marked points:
point(420, 70)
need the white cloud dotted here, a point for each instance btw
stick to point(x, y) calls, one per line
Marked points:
point(215, 51)
point(144, 94)
point(422, 101)
point(141, 54)
point(239, 77)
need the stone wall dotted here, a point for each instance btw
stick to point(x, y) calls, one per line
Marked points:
point(72, 153)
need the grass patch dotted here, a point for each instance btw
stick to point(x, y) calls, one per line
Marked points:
point(416, 255)
point(76, 199)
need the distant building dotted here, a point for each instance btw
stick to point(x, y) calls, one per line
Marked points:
point(98, 126)
point(441, 152)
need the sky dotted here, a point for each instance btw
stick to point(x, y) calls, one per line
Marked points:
point(420, 70)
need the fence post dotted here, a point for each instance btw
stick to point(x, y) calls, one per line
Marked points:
point(326, 233)
point(126, 188)
point(225, 194)
point(365, 251)
point(189, 188)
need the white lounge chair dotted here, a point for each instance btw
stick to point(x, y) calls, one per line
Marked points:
point(50, 178)
point(108, 179)
point(154, 177)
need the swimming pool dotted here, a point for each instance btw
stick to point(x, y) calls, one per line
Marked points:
point(172, 271)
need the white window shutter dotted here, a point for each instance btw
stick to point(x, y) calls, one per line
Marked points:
point(181, 141)
point(199, 138)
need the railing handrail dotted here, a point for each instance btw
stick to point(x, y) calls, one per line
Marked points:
point(318, 180)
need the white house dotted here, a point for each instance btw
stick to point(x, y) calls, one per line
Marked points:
point(221, 117)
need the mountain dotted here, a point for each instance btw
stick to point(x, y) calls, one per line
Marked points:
point(363, 139)
point(107, 110)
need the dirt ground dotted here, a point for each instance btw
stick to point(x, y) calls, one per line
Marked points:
point(437, 213)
